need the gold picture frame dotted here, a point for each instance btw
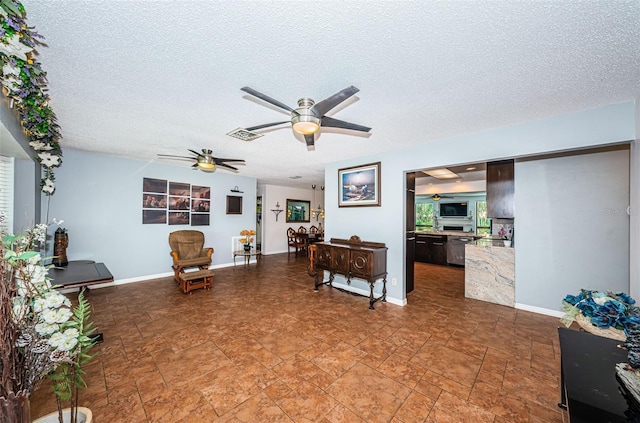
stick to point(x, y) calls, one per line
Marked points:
point(359, 186)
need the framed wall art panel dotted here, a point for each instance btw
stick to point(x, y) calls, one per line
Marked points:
point(359, 186)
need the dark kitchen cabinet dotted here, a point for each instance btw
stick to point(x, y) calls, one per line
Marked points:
point(410, 231)
point(420, 251)
point(431, 249)
point(500, 189)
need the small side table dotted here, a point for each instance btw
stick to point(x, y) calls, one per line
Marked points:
point(247, 255)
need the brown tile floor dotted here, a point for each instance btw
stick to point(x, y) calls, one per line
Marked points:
point(261, 346)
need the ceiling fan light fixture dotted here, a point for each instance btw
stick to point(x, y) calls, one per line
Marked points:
point(206, 161)
point(207, 165)
point(305, 124)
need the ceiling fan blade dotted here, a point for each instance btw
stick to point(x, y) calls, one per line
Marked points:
point(266, 98)
point(218, 160)
point(266, 125)
point(337, 123)
point(196, 153)
point(319, 109)
point(171, 156)
point(226, 166)
point(310, 139)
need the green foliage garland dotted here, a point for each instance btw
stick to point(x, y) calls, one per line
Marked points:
point(24, 83)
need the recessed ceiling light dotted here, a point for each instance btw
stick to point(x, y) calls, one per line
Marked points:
point(441, 173)
point(471, 168)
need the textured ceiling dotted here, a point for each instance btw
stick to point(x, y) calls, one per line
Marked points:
point(136, 78)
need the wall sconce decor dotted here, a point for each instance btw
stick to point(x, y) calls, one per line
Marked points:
point(277, 210)
point(316, 213)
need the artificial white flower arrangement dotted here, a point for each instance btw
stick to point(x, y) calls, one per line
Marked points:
point(41, 334)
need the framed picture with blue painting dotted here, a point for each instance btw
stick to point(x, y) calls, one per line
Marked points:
point(359, 186)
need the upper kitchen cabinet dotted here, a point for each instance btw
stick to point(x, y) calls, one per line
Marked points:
point(500, 189)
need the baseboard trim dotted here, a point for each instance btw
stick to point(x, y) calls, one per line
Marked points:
point(539, 310)
point(147, 277)
point(268, 253)
point(365, 292)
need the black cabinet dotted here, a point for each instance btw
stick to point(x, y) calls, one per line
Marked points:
point(421, 253)
point(431, 249)
point(500, 189)
point(589, 387)
point(410, 231)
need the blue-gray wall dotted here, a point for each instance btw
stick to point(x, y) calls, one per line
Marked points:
point(571, 215)
point(609, 124)
point(100, 200)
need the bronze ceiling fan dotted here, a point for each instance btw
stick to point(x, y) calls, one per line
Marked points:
point(308, 118)
point(437, 197)
point(205, 160)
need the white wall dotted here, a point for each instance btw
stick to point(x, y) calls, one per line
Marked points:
point(275, 233)
point(608, 124)
point(571, 215)
point(100, 200)
point(634, 210)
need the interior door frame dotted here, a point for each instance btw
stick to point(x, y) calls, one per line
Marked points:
point(409, 232)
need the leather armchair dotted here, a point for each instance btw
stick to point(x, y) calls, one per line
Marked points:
point(188, 251)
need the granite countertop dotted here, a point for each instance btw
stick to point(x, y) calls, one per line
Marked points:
point(450, 233)
point(489, 242)
point(480, 240)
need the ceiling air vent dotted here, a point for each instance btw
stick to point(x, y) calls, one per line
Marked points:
point(244, 134)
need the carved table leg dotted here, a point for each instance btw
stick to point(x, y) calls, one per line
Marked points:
point(371, 300)
point(384, 290)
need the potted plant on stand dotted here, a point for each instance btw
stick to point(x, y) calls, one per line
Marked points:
point(39, 331)
point(247, 238)
point(67, 378)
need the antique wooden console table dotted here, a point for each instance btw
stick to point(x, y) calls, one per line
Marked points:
point(352, 258)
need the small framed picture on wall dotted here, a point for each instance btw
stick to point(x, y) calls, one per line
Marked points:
point(234, 204)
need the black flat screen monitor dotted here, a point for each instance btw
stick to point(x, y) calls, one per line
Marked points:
point(453, 209)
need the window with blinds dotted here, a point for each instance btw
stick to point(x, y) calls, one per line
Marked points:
point(6, 193)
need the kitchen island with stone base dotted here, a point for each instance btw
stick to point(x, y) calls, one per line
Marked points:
point(490, 272)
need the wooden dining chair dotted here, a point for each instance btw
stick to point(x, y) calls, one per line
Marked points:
point(313, 229)
point(302, 230)
point(293, 241)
